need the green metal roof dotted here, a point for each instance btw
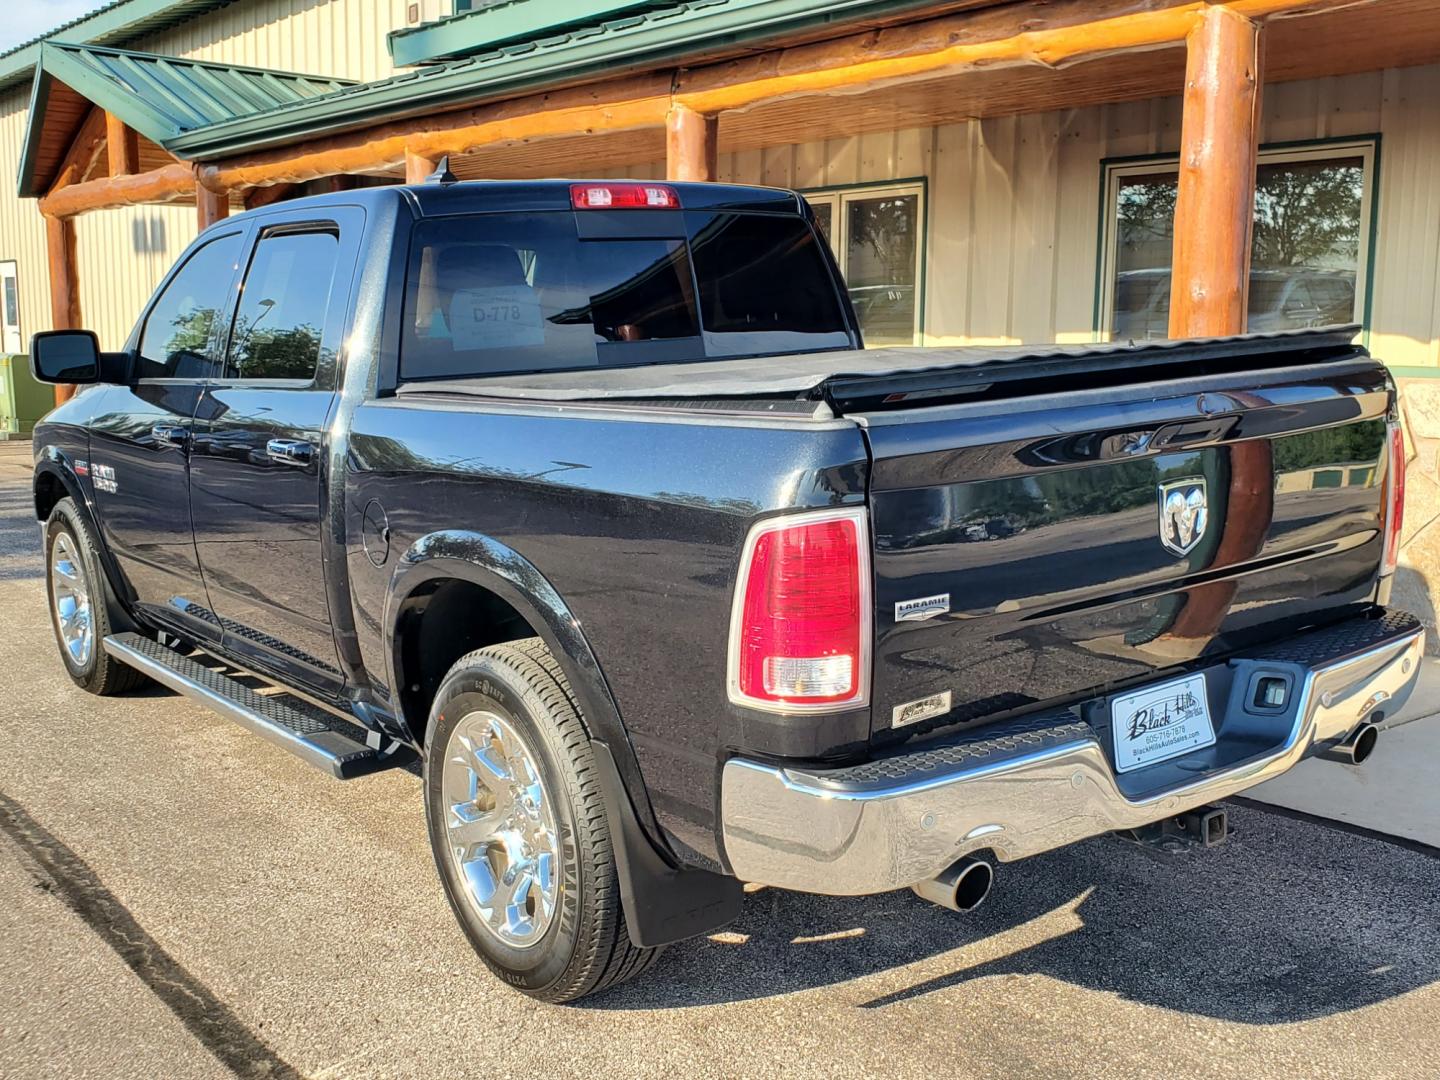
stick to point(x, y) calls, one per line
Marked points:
point(468, 32)
point(206, 111)
point(115, 23)
point(161, 97)
point(637, 40)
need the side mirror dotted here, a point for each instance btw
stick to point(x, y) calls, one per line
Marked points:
point(65, 356)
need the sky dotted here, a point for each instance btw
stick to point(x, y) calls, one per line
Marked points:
point(26, 19)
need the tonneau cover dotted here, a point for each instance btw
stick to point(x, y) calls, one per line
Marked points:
point(825, 374)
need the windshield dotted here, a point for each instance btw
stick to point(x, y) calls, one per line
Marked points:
point(504, 293)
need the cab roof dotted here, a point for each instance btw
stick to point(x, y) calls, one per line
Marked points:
point(485, 196)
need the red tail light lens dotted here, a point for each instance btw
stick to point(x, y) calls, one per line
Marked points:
point(800, 629)
point(1394, 498)
point(624, 197)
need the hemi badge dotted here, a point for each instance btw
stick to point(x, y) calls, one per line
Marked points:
point(912, 712)
point(927, 607)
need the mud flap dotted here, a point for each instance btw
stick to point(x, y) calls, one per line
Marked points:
point(664, 903)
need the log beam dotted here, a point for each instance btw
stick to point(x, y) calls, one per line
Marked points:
point(1215, 207)
point(210, 207)
point(1022, 36)
point(624, 105)
point(165, 184)
point(84, 154)
point(122, 145)
point(418, 166)
point(691, 145)
point(64, 284)
point(1054, 35)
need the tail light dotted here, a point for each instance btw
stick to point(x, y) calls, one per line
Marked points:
point(628, 196)
point(1394, 509)
point(800, 624)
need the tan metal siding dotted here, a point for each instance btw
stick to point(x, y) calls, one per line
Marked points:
point(123, 255)
point(22, 232)
point(344, 38)
point(1405, 326)
point(1014, 202)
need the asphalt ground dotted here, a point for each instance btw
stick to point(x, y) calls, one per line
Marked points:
point(180, 899)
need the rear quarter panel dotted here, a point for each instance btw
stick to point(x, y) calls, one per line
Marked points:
point(636, 518)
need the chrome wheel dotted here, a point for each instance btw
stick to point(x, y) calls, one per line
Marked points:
point(500, 828)
point(70, 597)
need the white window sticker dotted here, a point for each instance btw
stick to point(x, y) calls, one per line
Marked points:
point(496, 317)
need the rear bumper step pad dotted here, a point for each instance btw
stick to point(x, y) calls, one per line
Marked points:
point(307, 731)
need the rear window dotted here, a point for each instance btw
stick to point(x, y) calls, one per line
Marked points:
point(504, 293)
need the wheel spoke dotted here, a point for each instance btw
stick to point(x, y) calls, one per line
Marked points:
point(493, 773)
point(469, 826)
point(481, 880)
point(513, 897)
point(499, 829)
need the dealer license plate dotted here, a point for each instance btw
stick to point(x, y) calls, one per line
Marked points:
point(1161, 722)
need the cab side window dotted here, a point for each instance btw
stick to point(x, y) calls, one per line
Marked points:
point(178, 339)
point(284, 307)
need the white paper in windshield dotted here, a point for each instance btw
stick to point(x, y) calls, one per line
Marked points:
point(496, 317)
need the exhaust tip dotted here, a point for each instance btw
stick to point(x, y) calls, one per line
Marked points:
point(962, 887)
point(974, 885)
point(1356, 748)
point(1362, 744)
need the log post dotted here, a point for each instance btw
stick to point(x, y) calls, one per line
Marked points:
point(418, 166)
point(210, 206)
point(1214, 223)
point(691, 142)
point(1215, 207)
point(64, 284)
point(122, 146)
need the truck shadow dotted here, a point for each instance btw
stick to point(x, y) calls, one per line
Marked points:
point(1290, 921)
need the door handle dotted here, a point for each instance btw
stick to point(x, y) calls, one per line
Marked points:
point(170, 434)
point(290, 451)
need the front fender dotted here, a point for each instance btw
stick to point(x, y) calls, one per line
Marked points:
point(52, 463)
point(485, 561)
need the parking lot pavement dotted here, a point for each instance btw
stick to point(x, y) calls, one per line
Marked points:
point(1396, 790)
point(180, 899)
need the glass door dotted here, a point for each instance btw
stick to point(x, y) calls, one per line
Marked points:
point(9, 308)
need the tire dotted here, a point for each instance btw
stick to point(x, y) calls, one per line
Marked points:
point(73, 572)
point(495, 699)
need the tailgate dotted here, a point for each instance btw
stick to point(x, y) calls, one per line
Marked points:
point(1041, 549)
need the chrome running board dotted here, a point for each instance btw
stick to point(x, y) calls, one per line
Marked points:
point(307, 731)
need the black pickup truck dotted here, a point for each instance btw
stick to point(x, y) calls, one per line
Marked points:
point(586, 496)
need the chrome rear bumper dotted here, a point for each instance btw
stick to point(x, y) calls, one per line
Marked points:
point(1029, 787)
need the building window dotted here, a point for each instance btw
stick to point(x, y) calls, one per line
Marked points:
point(1308, 259)
point(877, 234)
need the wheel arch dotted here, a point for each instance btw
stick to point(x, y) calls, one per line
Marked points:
point(517, 586)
